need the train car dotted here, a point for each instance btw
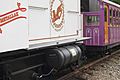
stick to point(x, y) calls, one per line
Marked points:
point(102, 24)
point(38, 36)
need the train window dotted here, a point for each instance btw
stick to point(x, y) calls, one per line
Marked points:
point(105, 14)
point(119, 14)
point(110, 16)
point(92, 20)
point(110, 12)
point(94, 5)
point(116, 13)
point(89, 20)
point(113, 13)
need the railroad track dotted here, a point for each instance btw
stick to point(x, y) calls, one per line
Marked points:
point(72, 75)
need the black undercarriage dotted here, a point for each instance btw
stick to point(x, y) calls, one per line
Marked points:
point(101, 50)
point(32, 65)
point(26, 65)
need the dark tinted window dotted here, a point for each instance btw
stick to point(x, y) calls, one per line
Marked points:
point(110, 12)
point(84, 5)
point(117, 13)
point(105, 14)
point(113, 13)
point(110, 16)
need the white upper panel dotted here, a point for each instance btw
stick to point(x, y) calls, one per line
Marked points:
point(72, 5)
point(39, 3)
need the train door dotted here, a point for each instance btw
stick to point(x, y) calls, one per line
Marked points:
point(106, 23)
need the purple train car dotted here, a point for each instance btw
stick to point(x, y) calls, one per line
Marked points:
point(103, 25)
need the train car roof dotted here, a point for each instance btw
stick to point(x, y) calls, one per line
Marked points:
point(112, 3)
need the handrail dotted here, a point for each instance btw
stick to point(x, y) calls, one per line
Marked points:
point(35, 7)
point(72, 11)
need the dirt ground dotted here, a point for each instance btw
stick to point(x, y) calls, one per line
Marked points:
point(108, 69)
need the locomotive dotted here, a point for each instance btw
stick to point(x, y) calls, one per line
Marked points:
point(102, 24)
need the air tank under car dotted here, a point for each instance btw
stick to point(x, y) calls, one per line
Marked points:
point(60, 57)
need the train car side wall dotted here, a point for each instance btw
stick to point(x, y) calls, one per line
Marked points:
point(39, 23)
point(13, 25)
point(46, 26)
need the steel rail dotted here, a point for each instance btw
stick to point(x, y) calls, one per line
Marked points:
point(87, 66)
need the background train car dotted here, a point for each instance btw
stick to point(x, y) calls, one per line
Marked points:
point(37, 36)
point(102, 24)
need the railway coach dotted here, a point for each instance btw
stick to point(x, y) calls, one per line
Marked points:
point(38, 37)
point(102, 23)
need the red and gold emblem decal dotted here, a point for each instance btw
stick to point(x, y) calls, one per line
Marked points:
point(57, 14)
